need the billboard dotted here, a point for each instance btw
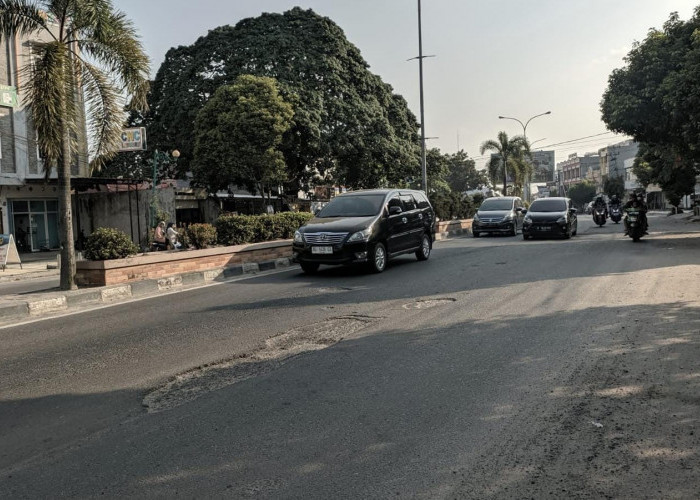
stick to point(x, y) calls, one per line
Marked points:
point(133, 139)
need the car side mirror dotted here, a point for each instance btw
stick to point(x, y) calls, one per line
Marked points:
point(573, 210)
point(523, 211)
point(395, 210)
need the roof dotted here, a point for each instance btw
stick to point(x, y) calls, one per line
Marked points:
point(383, 191)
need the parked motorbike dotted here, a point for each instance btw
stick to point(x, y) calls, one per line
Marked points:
point(599, 216)
point(615, 214)
point(635, 224)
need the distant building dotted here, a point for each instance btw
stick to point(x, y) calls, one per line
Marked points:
point(28, 202)
point(575, 168)
point(614, 157)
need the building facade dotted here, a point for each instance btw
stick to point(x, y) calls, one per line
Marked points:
point(28, 197)
point(576, 168)
point(613, 158)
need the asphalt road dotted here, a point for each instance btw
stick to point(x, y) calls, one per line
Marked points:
point(465, 376)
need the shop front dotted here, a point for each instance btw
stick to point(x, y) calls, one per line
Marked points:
point(34, 223)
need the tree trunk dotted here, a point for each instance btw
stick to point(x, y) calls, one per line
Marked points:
point(505, 176)
point(65, 210)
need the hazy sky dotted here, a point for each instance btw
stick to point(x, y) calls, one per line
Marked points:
point(493, 57)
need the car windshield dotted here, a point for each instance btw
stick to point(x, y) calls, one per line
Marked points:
point(353, 206)
point(493, 204)
point(548, 206)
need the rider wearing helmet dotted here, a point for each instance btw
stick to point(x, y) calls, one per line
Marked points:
point(636, 201)
point(599, 203)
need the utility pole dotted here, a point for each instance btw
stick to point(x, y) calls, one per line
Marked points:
point(422, 108)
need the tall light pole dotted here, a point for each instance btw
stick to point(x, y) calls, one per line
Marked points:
point(422, 112)
point(524, 125)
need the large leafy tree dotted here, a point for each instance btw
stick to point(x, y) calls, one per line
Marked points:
point(238, 133)
point(614, 186)
point(582, 192)
point(510, 156)
point(78, 46)
point(657, 165)
point(655, 98)
point(463, 175)
point(348, 125)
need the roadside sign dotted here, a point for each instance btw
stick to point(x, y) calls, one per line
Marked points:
point(133, 139)
point(8, 96)
point(8, 251)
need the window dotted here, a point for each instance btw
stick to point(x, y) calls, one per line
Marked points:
point(394, 202)
point(37, 206)
point(494, 204)
point(422, 200)
point(20, 206)
point(408, 202)
point(352, 206)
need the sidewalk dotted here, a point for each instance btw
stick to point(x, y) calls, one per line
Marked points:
point(34, 265)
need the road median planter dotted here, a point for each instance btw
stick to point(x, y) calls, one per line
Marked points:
point(456, 227)
point(161, 265)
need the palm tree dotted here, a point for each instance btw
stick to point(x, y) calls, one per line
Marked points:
point(78, 46)
point(510, 156)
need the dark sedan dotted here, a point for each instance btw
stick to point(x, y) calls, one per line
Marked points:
point(550, 217)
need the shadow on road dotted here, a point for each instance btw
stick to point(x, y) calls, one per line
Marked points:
point(501, 408)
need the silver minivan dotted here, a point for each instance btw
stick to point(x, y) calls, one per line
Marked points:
point(502, 215)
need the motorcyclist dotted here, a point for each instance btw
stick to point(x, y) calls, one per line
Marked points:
point(636, 201)
point(599, 204)
point(615, 201)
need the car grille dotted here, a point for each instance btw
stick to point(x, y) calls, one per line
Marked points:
point(490, 220)
point(324, 238)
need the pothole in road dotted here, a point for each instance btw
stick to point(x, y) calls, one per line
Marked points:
point(276, 351)
point(428, 303)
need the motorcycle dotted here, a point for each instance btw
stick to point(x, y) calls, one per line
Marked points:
point(615, 214)
point(599, 216)
point(635, 224)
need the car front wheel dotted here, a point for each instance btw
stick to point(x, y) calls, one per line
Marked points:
point(424, 251)
point(377, 261)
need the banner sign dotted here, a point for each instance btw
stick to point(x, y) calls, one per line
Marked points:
point(8, 251)
point(8, 96)
point(133, 139)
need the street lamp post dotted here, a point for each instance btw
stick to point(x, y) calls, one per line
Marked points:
point(422, 112)
point(524, 125)
point(159, 156)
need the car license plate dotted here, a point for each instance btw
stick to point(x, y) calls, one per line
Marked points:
point(322, 250)
point(544, 228)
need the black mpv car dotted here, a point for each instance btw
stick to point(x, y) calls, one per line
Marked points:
point(367, 227)
point(550, 217)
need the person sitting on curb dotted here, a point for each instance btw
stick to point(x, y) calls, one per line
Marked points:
point(159, 239)
point(172, 236)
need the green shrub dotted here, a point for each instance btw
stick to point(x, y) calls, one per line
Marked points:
point(452, 205)
point(107, 243)
point(239, 229)
point(200, 235)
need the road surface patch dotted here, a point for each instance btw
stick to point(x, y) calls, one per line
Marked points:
point(275, 352)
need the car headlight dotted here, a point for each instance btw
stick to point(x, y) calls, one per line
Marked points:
point(360, 236)
point(298, 237)
point(475, 218)
point(561, 220)
point(527, 219)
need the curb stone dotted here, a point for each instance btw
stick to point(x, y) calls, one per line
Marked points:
point(13, 312)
